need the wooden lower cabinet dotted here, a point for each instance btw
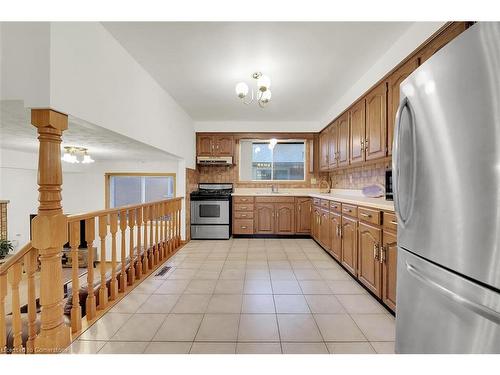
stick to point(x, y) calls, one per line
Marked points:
point(303, 209)
point(349, 243)
point(315, 219)
point(335, 235)
point(285, 218)
point(389, 268)
point(369, 267)
point(264, 218)
point(324, 228)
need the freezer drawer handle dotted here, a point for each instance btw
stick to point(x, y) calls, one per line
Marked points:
point(478, 308)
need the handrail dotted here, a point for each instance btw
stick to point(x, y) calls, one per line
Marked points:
point(4, 268)
point(89, 215)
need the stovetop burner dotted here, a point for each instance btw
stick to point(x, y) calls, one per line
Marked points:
point(212, 191)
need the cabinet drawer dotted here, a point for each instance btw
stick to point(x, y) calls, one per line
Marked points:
point(239, 199)
point(243, 207)
point(274, 200)
point(348, 209)
point(316, 201)
point(369, 215)
point(325, 203)
point(335, 207)
point(243, 215)
point(390, 221)
point(243, 226)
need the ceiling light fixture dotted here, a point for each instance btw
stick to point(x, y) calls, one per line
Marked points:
point(71, 154)
point(263, 92)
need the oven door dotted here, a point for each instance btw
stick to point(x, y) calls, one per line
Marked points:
point(210, 212)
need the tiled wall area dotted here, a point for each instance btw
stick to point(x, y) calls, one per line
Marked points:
point(359, 177)
point(192, 180)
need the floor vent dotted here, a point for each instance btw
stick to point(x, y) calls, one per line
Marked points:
point(163, 271)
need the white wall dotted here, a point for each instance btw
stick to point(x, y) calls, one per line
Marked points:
point(25, 60)
point(83, 186)
point(94, 78)
point(257, 126)
point(404, 46)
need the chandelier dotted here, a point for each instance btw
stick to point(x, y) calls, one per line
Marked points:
point(74, 155)
point(262, 94)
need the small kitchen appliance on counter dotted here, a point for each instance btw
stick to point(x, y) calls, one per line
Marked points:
point(211, 211)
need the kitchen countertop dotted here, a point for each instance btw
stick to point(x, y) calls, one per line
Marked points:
point(338, 195)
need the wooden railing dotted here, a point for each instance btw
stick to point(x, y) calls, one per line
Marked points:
point(147, 235)
point(33, 317)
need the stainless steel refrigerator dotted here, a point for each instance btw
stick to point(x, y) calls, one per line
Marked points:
point(446, 179)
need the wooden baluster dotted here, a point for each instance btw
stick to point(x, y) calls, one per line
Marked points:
point(178, 225)
point(145, 239)
point(103, 289)
point(50, 230)
point(90, 303)
point(170, 227)
point(123, 275)
point(3, 333)
point(151, 247)
point(162, 226)
point(131, 268)
point(15, 274)
point(138, 221)
point(157, 235)
point(113, 227)
point(76, 310)
point(31, 266)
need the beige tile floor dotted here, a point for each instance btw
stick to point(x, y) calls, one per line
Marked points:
point(245, 296)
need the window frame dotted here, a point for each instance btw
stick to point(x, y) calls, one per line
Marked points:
point(279, 140)
point(108, 175)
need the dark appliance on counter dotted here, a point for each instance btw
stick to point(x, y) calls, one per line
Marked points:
point(211, 211)
point(388, 185)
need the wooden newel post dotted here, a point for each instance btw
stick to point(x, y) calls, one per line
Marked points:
point(50, 230)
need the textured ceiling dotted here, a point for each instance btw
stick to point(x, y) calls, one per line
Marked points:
point(17, 133)
point(311, 64)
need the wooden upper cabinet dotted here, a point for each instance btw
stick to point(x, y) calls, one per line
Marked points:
point(393, 82)
point(224, 145)
point(349, 243)
point(376, 122)
point(205, 145)
point(333, 145)
point(285, 218)
point(389, 268)
point(335, 236)
point(369, 266)
point(357, 132)
point(343, 140)
point(455, 29)
point(303, 215)
point(264, 218)
point(323, 149)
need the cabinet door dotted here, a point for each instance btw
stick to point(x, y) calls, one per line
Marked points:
point(264, 218)
point(343, 140)
point(224, 145)
point(315, 223)
point(369, 266)
point(205, 145)
point(376, 122)
point(357, 132)
point(394, 81)
point(349, 244)
point(389, 268)
point(335, 236)
point(285, 218)
point(303, 215)
point(323, 149)
point(455, 29)
point(333, 146)
point(324, 229)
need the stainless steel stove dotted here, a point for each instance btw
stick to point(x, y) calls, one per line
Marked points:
point(211, 211)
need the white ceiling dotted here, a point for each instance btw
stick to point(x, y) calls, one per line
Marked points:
point(17, 133)
point(311, 64)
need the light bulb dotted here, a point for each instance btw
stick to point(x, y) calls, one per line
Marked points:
point(87, 159)
point(241, 90)
point(67, 157)
point(263, 83)
point(266, 96)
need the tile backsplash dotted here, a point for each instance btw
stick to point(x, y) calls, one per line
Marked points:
point(359, 177)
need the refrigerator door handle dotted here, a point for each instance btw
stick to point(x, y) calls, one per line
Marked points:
point(395, 163)
point(478, 308)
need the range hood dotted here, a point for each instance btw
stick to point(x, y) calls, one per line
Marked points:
point(214, 160)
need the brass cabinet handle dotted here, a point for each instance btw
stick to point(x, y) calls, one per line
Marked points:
point(243, 215)
point(244, 227)
point(382, 254)
point(375, 251)
point(347, 210)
